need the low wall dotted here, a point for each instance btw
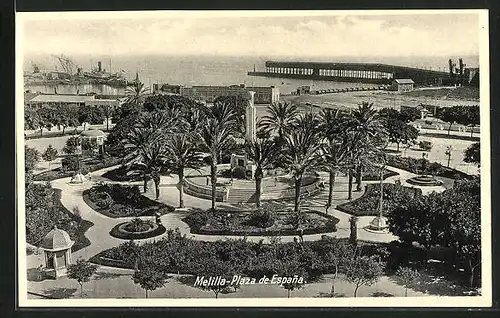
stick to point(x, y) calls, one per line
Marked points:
point(204, 192)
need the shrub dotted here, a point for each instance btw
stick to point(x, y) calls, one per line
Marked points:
point(239, 172)
point(69, 163)
point(138, 225)
point(197, 219)
point(295, 219)
point(425, 145)
point(262, 218)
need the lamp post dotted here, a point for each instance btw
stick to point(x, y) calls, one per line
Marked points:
point(448, 153)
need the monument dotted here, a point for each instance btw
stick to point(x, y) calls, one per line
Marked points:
point(250, 135)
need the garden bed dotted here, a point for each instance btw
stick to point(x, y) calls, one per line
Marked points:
point(375, 176)
point(415, 166)
point(263, 222)
point(115, 200)
point(137, 229)
point(368, 203)
point(88, 165)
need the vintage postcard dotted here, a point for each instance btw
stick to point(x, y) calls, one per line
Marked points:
point(263, 158)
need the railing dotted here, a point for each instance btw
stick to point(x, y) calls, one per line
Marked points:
point(205, 192)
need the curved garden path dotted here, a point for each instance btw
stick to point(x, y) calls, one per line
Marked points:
point(115, 282)
point(98, 234)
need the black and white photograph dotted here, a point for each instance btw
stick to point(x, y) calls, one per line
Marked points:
point(253, 158)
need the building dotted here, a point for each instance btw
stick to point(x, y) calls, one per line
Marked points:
point(66, 100)
point(208, 94)
point(402, 85)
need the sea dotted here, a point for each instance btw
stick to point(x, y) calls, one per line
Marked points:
point(213, 70)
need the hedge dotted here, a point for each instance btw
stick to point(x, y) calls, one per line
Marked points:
point(370, 200)
point(434, 168)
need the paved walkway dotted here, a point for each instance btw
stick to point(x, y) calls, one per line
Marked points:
point(98, 234)
point(71, 197)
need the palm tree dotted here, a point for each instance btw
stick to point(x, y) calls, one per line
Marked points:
point(143, 145)
point(181, 153)
point(363, 129)
point(263, 153)
point(136, 94)
point(301, 151)
point(215, 137)
point(280, 118)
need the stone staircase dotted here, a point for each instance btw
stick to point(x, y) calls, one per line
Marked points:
point(240, 195)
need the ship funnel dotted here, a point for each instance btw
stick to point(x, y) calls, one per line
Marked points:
point(99, 66)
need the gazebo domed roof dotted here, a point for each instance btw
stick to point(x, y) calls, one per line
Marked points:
point(92, 133)
point(56, 240)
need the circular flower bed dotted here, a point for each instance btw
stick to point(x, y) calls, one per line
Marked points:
point(137, 229)
point(424, 181)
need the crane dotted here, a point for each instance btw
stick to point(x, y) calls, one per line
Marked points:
point(66, 63)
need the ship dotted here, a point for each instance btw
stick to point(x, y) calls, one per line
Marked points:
point(72, 74)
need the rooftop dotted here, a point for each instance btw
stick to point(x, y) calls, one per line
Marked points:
point(61, 98)
point(404, 81)
point(92, 133)
point(56, 240)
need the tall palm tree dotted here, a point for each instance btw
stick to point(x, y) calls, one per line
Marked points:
point(301, 151)
point(143, 152)
point(143, 145)
point(364, 128)
point(215, 137)
point(181, 153)
point(263, 153)
point(280, 118)
point(136, 94)
point(334, 150)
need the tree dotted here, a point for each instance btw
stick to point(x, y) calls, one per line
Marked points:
point(150, 278)
point(449, 115)
point(82, 272)
point(216, 136)
point(263, 153)
point(107, 112)
point(31, 158)
point(280, 118)
point(334, 149)
point(364, 130)
point(363, 270)
point(301, 150)
point(214, 267)
point(136, 94)
point(473, 154)
point(181, 153)
point(144, 145)
point(50, 154)
point(451, 218)
point(90, 114)
point(407, 277)
point(71, 145)
point(409, 114)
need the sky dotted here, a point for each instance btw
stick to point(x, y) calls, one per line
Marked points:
point(306, 34)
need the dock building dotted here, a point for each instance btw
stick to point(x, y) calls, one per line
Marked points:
point(208, 93)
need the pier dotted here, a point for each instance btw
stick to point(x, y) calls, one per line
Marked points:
point(372, 73)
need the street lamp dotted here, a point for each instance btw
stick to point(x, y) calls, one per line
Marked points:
point(448, 153)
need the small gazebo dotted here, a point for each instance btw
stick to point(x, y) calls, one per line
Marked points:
point(94, 135)
point(57, 249)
